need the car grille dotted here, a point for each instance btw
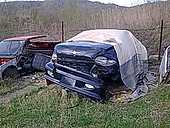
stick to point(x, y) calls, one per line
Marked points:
point(80, 63)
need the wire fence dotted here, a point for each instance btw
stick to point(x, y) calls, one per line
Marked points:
point(150, 37)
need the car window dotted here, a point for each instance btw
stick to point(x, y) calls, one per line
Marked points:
point(4, 47)
point(9, 47)
point(15, 46)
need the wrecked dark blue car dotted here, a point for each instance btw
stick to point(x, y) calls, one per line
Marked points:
point(93, 60)
point(84, 67)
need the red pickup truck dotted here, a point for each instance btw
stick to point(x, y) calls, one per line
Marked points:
point(20, 55)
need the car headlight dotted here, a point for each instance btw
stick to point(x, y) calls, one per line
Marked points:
point(103, 61)
point(88, 86)
point(50, 73)
point(54, 57)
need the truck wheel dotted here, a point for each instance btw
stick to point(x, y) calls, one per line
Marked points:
point(10, 73)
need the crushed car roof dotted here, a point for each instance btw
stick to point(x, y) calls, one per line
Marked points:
point(24, 38)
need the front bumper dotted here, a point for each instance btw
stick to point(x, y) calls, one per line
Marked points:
point(75, 81)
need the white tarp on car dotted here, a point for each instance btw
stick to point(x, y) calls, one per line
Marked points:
point(165, 65)
point(132, 55)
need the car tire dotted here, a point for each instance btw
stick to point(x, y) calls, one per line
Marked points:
point(10, 73)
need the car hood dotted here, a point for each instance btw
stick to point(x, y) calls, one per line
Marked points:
point(82, 48)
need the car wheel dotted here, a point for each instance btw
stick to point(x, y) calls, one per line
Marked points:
point(10, 73)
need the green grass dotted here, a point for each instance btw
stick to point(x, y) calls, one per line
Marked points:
point(48, 109)
point(8, 86)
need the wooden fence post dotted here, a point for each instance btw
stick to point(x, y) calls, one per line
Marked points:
point(62, 31)
point(160, 43)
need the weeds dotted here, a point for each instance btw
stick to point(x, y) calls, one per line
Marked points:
point(47, 108)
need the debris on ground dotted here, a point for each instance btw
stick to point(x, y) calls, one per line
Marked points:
point(37, 78)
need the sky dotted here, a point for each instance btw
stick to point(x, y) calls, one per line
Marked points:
point(122, 2)
point(125, 2)
point(118, 2)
